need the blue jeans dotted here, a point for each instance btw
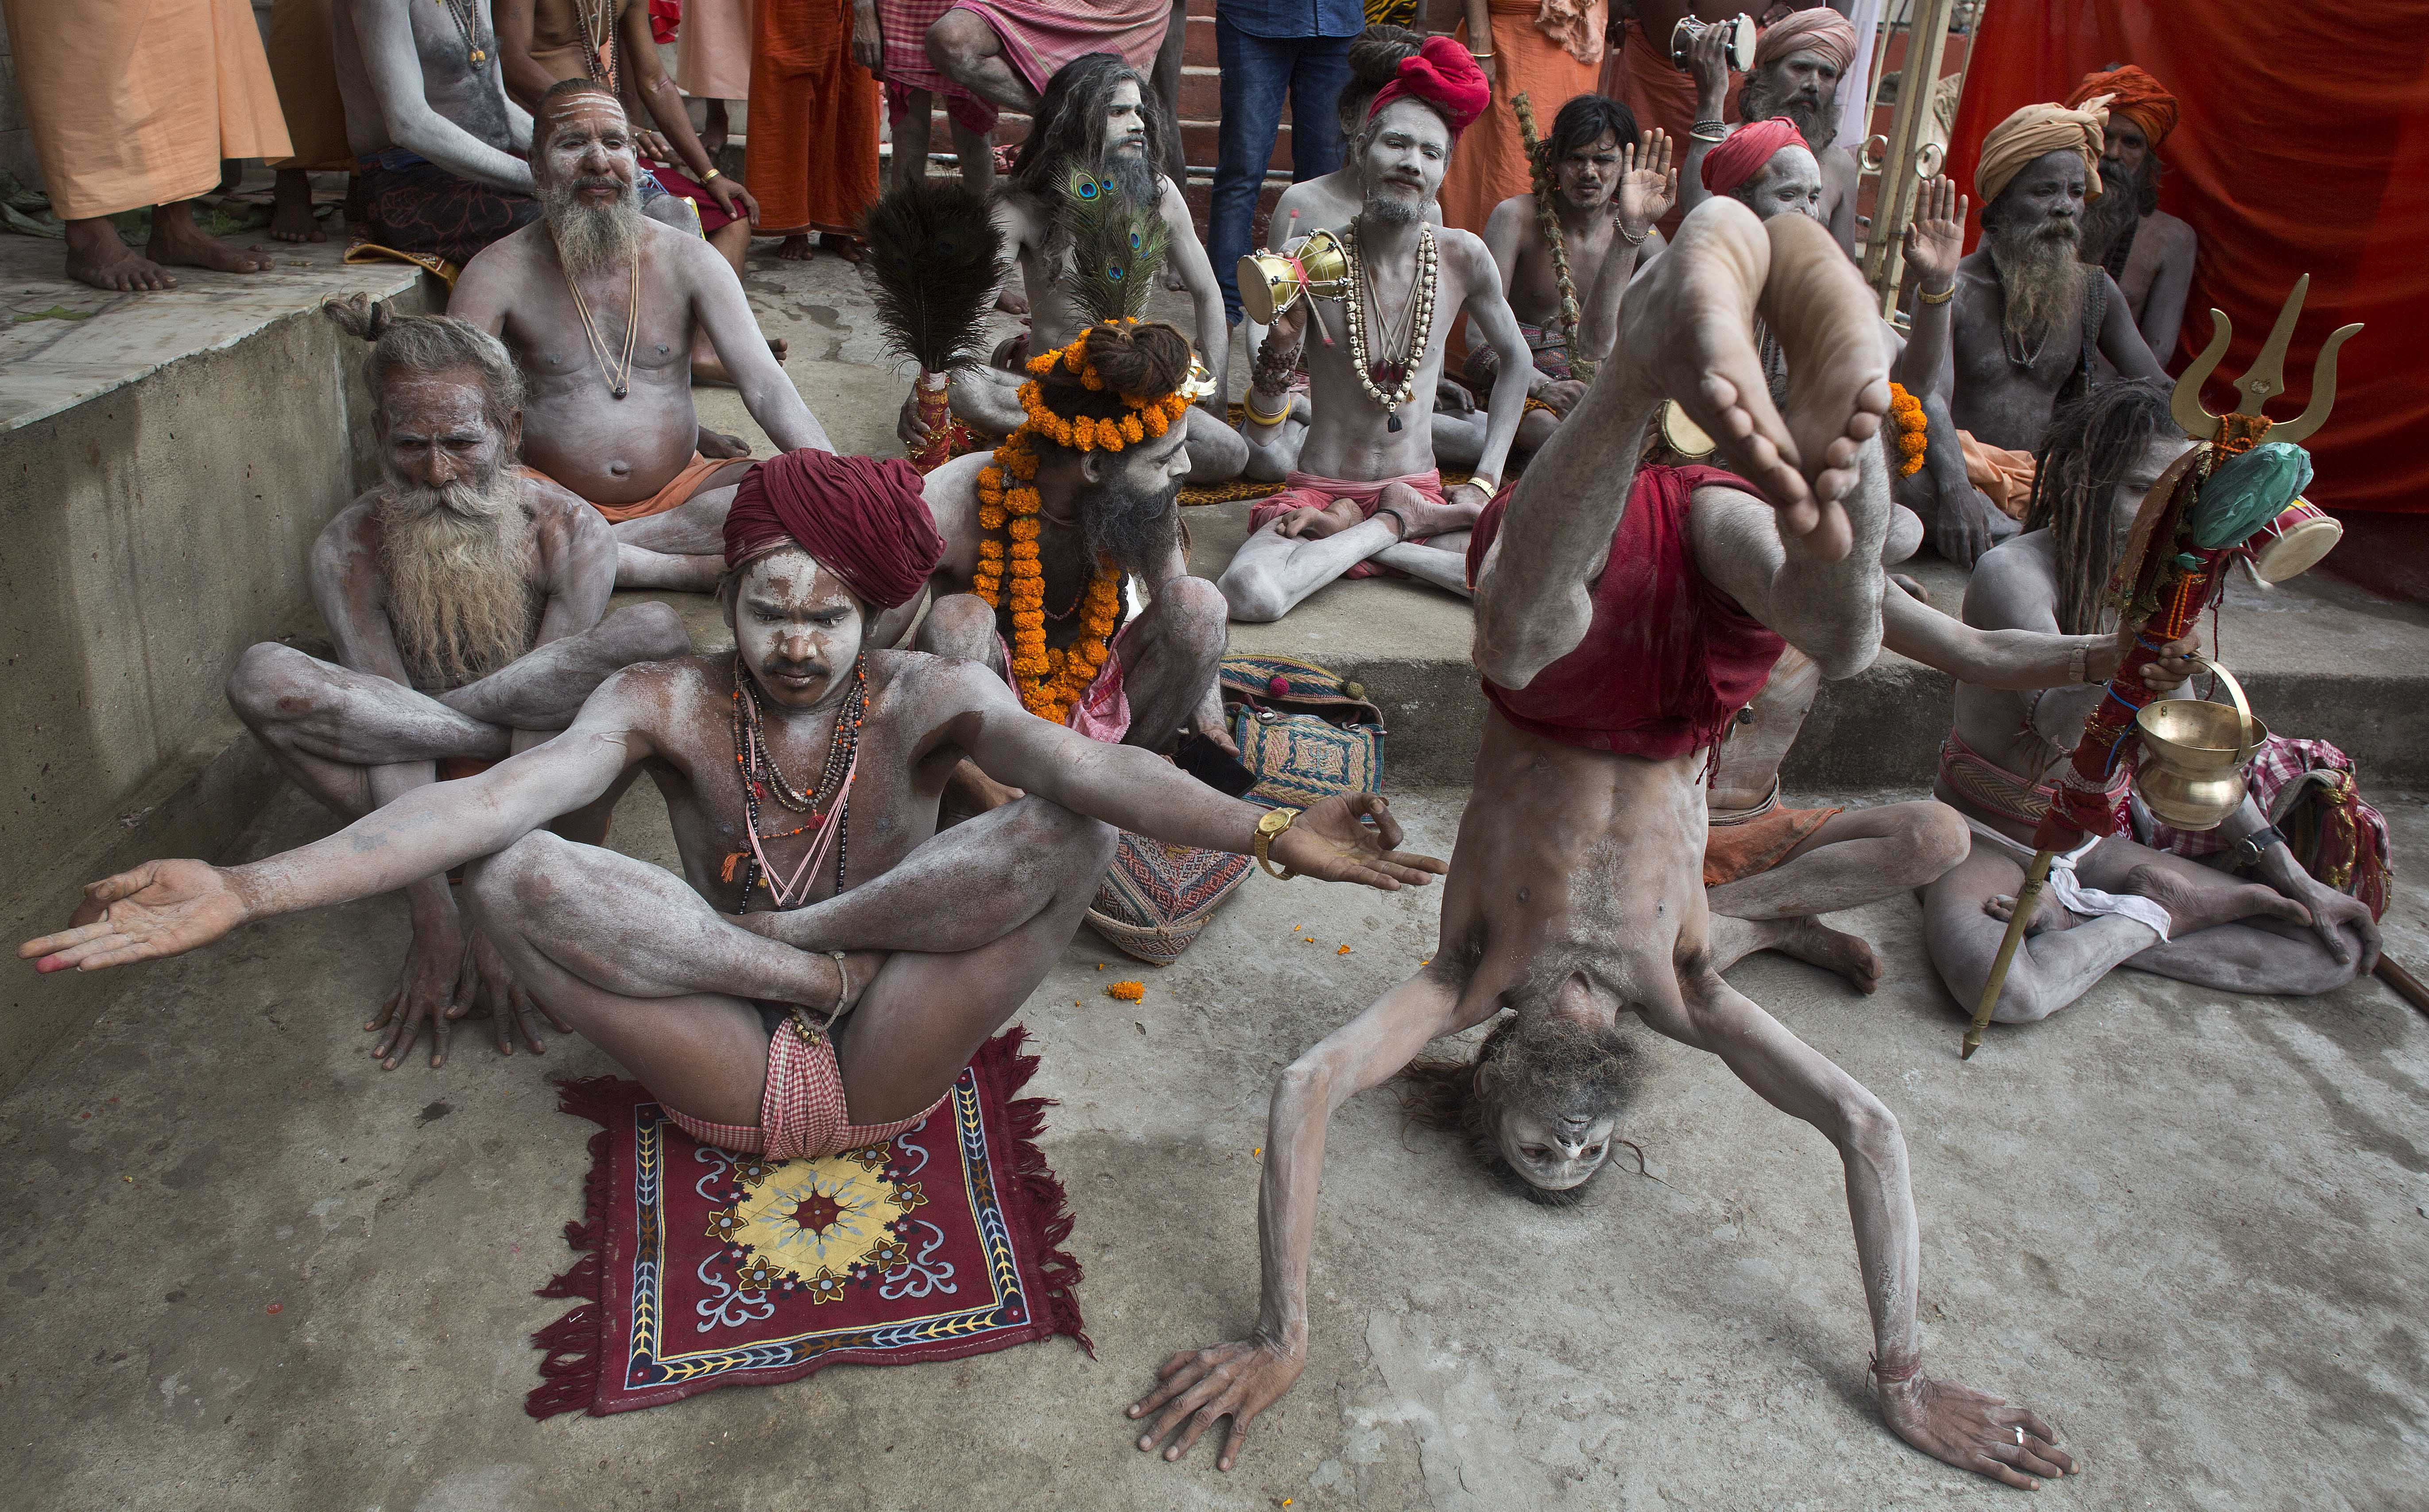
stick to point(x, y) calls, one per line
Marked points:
point(1257, 73)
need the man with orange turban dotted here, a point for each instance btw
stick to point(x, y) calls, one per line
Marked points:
point(1794, 81)
point(2149, 251)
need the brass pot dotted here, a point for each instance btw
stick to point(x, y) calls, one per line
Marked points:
point(1272, 282)
point(2193, 751)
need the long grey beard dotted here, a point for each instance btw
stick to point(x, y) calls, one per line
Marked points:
point(1132, 174)
point(1128, 527)
point(591, 236)
point(2039, 273)
point(457, 565)
point(2112, 215)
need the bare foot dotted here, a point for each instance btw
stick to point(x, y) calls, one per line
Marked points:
point(290, 209)
point(2048, 915)
point(1011, 301)
point(1818, 944)
point(779, 348)
point(848, 248)
point(1426, 517)
point(2203, 904)
point(720, 447)
point(1914, 589)
point(1838, 380)
point(177, 242)
point(96, 256)
point(1172, 278)
point(794, 249)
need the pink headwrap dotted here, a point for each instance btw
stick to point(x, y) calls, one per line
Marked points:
point(1820, 30)
point(1744, 152)
point(1443, 75)
point(860, 519)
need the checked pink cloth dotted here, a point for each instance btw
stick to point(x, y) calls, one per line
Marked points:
point(801, 1114)
point(1038, 36)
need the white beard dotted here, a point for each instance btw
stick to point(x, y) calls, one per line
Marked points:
point(457, 565)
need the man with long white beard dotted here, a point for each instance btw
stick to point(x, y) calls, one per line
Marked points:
point(2149, 251)
point(1797, 69)
point(601, 306)
point(2029, 318)
point(465, 598)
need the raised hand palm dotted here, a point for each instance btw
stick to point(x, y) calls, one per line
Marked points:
point(1934, 239)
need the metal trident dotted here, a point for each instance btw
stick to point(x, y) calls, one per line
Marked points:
point(2265, 379)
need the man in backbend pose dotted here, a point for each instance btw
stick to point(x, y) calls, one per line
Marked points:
point(819, 917)
point(466, 600)
point(1622, 614)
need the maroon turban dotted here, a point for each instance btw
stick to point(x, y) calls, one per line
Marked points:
point(861, 518)
point(1741, 155)
point(1443, 75)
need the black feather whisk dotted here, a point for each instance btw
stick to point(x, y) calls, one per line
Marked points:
point(934, 263)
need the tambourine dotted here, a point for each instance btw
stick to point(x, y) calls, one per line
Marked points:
point(2292, 544)
point(1683, 436)
point(1742, 40)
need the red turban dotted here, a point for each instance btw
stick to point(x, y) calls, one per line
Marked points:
point(2135, 95)
point(1820, 30)
point(1743, 154)
point(861, 518)
point(1443, 75)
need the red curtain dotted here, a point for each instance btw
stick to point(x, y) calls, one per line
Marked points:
point(2303, 147)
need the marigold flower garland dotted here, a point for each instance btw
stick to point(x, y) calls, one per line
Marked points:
point(1049, 682)
point(1905, 413)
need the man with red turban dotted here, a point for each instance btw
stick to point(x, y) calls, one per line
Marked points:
point(825, 961)
point(1364, 483)
point(2149, 251)
point(1794, 83)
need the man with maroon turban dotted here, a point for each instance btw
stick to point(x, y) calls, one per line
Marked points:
point(827, 961)
point(1793, 82)
point(1364, 484)
point(2149, 251)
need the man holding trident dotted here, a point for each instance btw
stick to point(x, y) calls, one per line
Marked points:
point(827, 961)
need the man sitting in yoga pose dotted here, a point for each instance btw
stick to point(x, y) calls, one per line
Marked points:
point(820, 913)
point(600, 304)
point(1622, 614)
point(465, 598)
point(1366, 484)
point(2116, 902)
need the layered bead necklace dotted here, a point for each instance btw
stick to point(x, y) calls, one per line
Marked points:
point(619, 378)
point(1409, 336)
point(828, 802)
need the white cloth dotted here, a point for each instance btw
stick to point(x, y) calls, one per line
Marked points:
point(1855, 86)
point(2069, 890)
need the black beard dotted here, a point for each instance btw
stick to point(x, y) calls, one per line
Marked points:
point(1131, 527)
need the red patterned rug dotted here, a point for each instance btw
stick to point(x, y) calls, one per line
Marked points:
point(705, 1268)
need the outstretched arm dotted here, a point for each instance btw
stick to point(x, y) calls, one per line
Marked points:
point(1242, 1378)
point(384, 31)
point(724, 312)
point(165, 908)
point(2021, 659)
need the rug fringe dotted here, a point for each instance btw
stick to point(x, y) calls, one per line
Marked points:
point(571, 1369)
point(1048, 1205)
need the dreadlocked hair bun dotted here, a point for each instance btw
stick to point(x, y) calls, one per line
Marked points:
point(359, 315)
point(1375, 57)
point(1150, 360)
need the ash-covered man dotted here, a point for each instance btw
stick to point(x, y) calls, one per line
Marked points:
point(466, 601)
point(1598, 192)
point(600, 305)
point(1622, 614)
point(2148, 252)
point(1797, 66)
point(1366, 484)
point(827, 961)
point(1095, 118)
point(2116, 902)
point(1099, 508)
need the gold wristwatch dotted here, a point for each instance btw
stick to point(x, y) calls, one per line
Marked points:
point(1268, 830)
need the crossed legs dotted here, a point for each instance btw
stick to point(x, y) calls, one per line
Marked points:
point(682, 550)
point(1286, 560)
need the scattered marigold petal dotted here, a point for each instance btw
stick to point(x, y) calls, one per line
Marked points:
point(1128, 991)
point(1343, 952)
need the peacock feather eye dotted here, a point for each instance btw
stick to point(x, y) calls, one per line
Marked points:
point(1138, 241)
point(1114, 271)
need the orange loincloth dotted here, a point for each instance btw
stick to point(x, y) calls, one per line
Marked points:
point(1489, 165)
point(813, 160)
point(135, 105)
point(307, 86)
point(2005, 476)
point(1737, 849)
point(678, 491)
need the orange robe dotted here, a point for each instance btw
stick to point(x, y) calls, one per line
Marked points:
point(135, 105)
point(304, 67)
point(812, 163)
point(1489, 165)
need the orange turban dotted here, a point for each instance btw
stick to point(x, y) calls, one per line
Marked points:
point(2135, 95)
point(1820, 30)
point(2037, 130)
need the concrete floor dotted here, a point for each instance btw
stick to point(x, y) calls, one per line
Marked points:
point(2190, 1232)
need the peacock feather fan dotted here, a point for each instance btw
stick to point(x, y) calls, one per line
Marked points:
point(935, 259)
point(1116, 249)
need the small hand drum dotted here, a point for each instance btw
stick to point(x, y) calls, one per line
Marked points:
point(1272, 282)
point(1684, 436)
point(1742, 39)
point(2293, 542)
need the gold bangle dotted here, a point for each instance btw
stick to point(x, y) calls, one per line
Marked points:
point(1490, 484)
point(1927, 297)
point(1249, 407)
point(712, 176)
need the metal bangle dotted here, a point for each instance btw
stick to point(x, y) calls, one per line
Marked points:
point(1256, 417)
point(1926, 297)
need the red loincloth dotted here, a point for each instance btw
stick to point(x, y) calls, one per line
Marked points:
point(1305, 490)
point(1668, 659)
point(813, 160)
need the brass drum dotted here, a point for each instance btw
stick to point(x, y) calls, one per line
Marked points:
point(1272, 282)
point(2292, 544)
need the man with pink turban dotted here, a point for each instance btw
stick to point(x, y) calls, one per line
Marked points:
point(2149, 251)
point(1794, 81)
point(824, 962)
